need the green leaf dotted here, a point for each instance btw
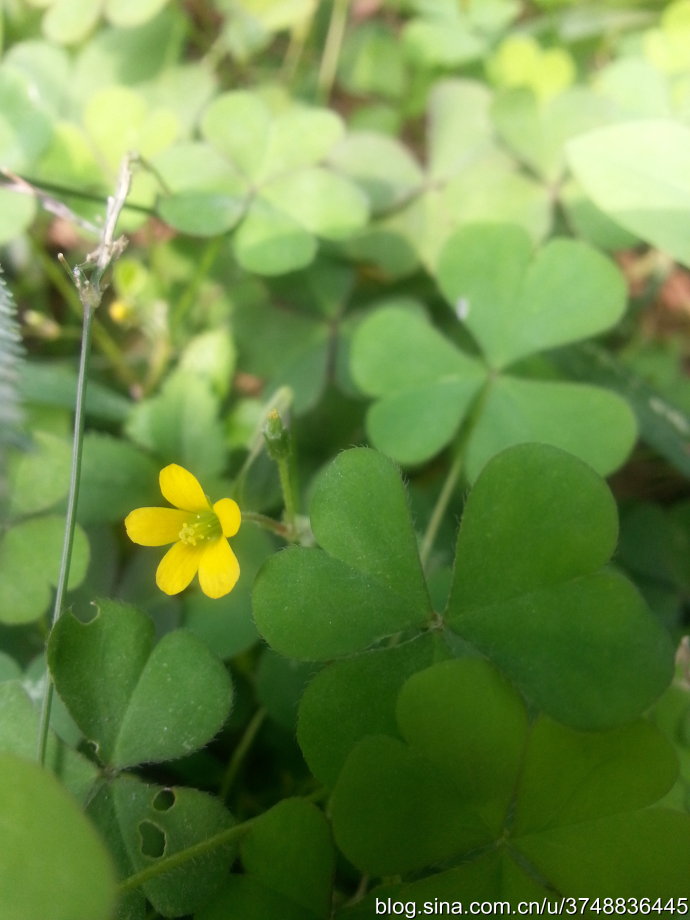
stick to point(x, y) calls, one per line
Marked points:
point(652, 849)
point(180, 424)
point(270, 242)
point(428, 386)
point(360, 515)
point(206, 194)
point(571, 416)
point(382, 823)
point(55, 384)
point(53, 864)
point(29, 563)
point(664, 425)
point(565, 292)
point(17, 213)
point(398, 355)
point(118, 119)
point(381, 165)
point(513, 808)
point(129, 13)
point(280, 682)
point(67, 22)
point(638, 173)
point(538, 132)
point(396, 348)
point(278, 881)
point(39, 478)
point(137, 702)
point(530, 592)
point(319, 200)
point(366, 583)
point(25, 129)
point(18, 735)
point(550, 798)
point(115, 477)
point(310, 606)
point(131, 905)
point(211, 355)
point(442, 43)
point(459, 125)
point(238, 125)
point(9, 668)
point(156, 822)
point(356, 697)
point(371, 62)
point(201, 212)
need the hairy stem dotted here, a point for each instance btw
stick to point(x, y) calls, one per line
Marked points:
point(168, 863)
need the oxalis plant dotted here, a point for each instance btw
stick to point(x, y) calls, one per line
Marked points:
point(315, 602)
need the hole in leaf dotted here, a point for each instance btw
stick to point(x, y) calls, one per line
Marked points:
point(152, 839)
point(90, 614)
point(164, 800)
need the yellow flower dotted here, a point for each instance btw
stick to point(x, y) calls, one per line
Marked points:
point(198, 531)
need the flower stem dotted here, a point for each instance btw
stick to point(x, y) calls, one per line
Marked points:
point(70, 518)
point(90, 289)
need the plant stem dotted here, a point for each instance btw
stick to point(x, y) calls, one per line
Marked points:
point(287, 485)
point(90, 290)
point(168, 863)
point(453, 474)
point(203, 268)
point(240, 752)
point(440, 507)
point(267, 523)
point(280, 447)
point(333, 44)
point(70, 517)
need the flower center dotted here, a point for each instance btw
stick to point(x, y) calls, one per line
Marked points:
point(201, 527)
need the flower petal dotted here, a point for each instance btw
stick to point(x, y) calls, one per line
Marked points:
point(218, 568)
point(178, 567)
point(155, 526)
point(229, 515)
point(182, 489)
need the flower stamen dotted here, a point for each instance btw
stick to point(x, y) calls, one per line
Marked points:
point(201, 528)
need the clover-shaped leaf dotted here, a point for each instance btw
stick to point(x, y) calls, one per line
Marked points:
point(25, 589)
point(354, 697)
point(565, 292)
point(536, 130)
point(144, 823)
point(637, 173)
point(264, 172)
point(364, 583)
point(277, 880)
point(18, 732)
point(138, 702)
point(533, 806)
point(529, 588)
point(425, 386)
point(467, 176)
